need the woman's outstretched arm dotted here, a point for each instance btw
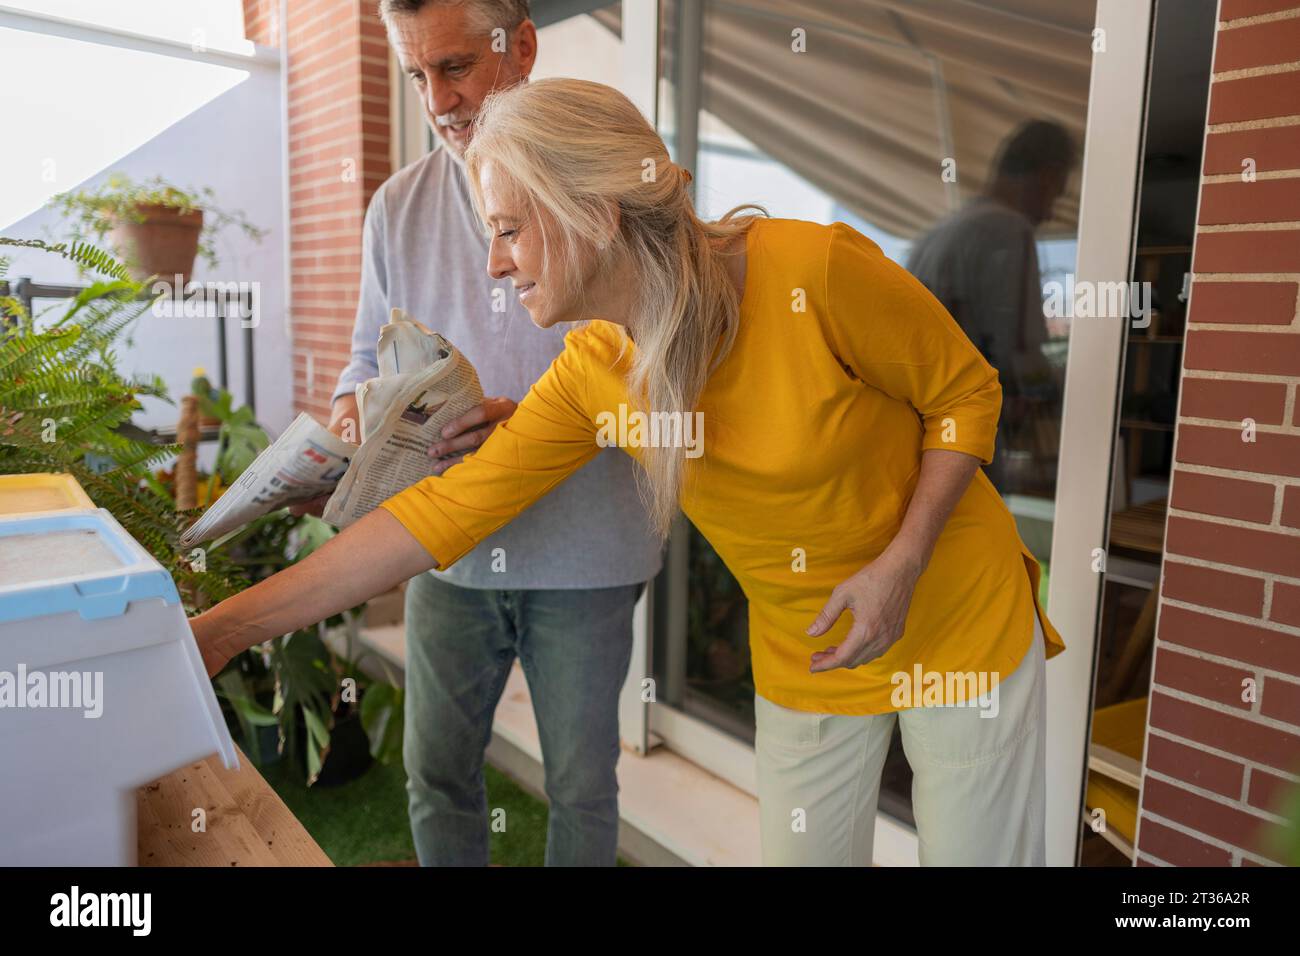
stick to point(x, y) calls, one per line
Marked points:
point(368, 558)
point(432, 523)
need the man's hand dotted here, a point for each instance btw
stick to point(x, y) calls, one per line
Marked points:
point(312, 506)
point(468, 432)
point(345, 418)
point(345, 421)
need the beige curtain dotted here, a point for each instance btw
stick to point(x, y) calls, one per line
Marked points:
point(889, 89)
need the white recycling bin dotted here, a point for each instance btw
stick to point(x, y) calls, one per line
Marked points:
point(102, 688)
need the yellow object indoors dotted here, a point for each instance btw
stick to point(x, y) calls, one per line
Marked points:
point(1121, 728)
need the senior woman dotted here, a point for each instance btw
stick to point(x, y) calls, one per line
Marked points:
point(845, 417)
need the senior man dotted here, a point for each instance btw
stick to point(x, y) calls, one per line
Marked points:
point(556, 587)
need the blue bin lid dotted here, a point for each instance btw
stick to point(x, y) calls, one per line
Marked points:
point(93, 594)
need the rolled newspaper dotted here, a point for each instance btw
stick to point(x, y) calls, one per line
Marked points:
point(424, 383)
point(305, 462)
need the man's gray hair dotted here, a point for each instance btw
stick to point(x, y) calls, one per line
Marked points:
point(487, 15)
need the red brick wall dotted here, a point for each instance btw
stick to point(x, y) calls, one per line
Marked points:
point(338, 156)
point(1217, 764)
point(261, 21)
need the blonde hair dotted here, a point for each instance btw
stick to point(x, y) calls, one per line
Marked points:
point(580, 150)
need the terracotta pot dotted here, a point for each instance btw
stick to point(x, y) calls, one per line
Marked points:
point(164, 244)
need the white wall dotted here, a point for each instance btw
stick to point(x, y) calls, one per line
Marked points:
point(230, 141)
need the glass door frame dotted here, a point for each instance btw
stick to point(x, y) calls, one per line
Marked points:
point(643, 725)
point(640, 34)
point(1093, 382)
point(1106, 236)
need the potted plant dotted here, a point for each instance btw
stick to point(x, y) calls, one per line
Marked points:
point(156, 228)
point(64, 407)
point(332, 719)
point(329, 716)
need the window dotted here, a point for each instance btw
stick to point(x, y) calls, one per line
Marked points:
point(876, 114)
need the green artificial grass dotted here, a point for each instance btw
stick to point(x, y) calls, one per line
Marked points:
point(365, 820)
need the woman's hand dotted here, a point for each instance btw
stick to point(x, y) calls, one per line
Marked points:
point(214, 657)
point(879, 596)
point(468, 432)
point(366, 558)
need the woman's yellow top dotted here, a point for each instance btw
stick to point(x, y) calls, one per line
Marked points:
point(843, 371)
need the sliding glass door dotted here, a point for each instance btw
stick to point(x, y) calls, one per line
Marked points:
point(991, 150)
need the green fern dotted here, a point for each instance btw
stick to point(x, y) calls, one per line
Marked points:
point(105, 311)
point(63, 408)
point(86, 256)
point(11, 309)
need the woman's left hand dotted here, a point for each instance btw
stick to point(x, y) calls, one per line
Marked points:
point(879, 596)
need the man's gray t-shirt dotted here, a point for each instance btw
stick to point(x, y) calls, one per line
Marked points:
point(425, 251)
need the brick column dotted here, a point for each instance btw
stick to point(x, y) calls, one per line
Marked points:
point(338, 156)
point(261, 21)
point(1223, 742)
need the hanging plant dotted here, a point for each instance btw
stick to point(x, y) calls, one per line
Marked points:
point(155, 227)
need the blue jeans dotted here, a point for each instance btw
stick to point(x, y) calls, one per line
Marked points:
point(574, 646)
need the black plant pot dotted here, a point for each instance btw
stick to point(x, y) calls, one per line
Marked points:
point(268, 737)
point(349, 754)
point(268, 744)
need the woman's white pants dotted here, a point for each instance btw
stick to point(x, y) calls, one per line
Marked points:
point(978, 782)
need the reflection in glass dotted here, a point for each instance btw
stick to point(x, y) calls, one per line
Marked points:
point(981, 262)
point(950, 135)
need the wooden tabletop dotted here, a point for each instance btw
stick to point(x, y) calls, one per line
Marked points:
point(247, 822)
